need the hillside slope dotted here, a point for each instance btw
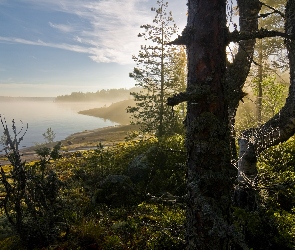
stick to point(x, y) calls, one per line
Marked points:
point(116, 112)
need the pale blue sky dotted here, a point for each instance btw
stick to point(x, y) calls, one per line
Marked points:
point(55, 47)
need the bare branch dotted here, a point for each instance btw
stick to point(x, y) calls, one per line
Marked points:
point(177, 99)
point(193, 95)
point(274, 10)
point(180, 40)
point(265, 14)
point(237, 36)
point(184, 39)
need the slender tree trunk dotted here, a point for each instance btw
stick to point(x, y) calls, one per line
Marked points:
point(278, 129)
point(259, 83)
point(161, 115)
point(209, 181)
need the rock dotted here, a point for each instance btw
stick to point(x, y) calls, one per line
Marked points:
point(142, 168)
point(139, 169)
point(115, 190)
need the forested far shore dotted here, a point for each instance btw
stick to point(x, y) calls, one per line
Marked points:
point(116, 112)
point(100, 95)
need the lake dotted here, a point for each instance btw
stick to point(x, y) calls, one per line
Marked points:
point(43, 113)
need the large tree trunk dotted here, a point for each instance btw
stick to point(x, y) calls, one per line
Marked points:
point(209, 179)
point(278, 129)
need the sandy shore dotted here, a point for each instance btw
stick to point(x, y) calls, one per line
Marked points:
point(84, 140)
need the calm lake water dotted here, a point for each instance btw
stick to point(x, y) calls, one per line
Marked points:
point(41, 114)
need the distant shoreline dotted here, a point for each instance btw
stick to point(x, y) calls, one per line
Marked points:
point(88, 139)
point(85, 140)
point(116, 112)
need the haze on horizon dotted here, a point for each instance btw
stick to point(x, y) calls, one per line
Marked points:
point(50, 48)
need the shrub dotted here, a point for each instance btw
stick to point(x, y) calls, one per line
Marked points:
point(155, 167)
point(145, 226)
point(31, 202)
point(271, 225)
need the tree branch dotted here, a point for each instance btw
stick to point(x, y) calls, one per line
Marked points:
point(274, 10)
point(237, 36)
point(193, 95)
point(180, 40)
point(184, 38)
point(177, 99)
point(265, 14)
point(238, 70)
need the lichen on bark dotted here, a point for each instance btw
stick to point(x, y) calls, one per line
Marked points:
point(209, 172)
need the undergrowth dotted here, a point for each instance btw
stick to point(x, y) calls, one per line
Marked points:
point(153, 217)
point(92, 224)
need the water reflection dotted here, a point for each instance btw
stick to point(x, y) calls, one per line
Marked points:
point(42, 114)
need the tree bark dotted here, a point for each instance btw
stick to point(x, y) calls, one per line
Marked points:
point(238, 70)
point(210, 86)
point(209, 179)
point(259, 83)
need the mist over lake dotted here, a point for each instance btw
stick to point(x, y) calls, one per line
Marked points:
point(43, 113)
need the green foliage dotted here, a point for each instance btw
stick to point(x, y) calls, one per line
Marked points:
point(115, 190)
point(157, 225)
point(258, 228)
point(12, 243)
point(31, 201)
point(274, 96)
point(277, 176)
point(273, 99)
point(272, 48)
point(65, 187)
point(165, 161)
point(271, 226)
point(145, 226)
point(3, 139)
point(49, 135)
point(160, 72)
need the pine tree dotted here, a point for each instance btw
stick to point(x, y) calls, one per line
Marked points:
point(270, 55)
point(155, 64)
point(179, 78)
